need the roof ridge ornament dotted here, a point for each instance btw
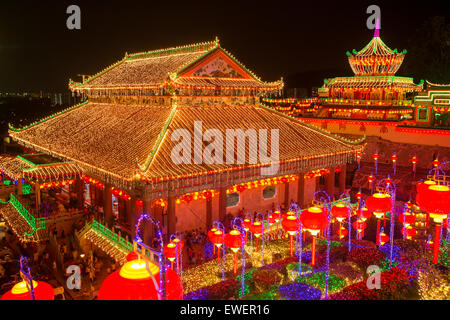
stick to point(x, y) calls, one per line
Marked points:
point(376, 34)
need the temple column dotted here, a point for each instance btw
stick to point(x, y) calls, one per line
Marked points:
point(342, 179)
point(208, 213)
point(79, 190)
point(131, 215)
point(107, 204)
point(37, 191)
point(301, 189)
point(222, 203)
point(171, 213)
point(329, 183)
point(19, 187)
point(286, 195)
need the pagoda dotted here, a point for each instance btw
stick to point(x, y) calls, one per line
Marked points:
point(116, 145)
point(374, 81)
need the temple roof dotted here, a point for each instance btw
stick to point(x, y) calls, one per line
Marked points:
point(116, 142)
point(160, 68)
point(376, 58)
point(404, 83)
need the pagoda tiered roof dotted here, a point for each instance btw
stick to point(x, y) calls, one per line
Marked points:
point(117, 142)
point(168, 68)
point(404, 83)
point(376, 58)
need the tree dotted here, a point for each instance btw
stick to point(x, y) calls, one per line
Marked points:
point(428, 54)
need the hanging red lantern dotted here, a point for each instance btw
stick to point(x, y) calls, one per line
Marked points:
point(179, 243)
point(409, 232)
point(359, 194)
point(207, 194)
point(256, 228)
point(383, 238)
point(359, 225)
point(246, 223)
point(42, 291)
point(271, 219)
point(134, 282)
point(241, 188)
point(342, 233)
point(170, 252)
point(234, 242)
point(291, 225)
point(132, 256)
point(364, 214)
point(284, 179)
point(406, 218)
point(187, 198)
point(388, 180)
point(340, 212)
point(313, 220)
point(139, 203)
point(379, 204)
point(435, 200)
point(421, 186)
point(436, 163)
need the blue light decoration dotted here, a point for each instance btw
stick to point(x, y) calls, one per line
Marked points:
point(325, 199)
point(219, 225)
point(299, 291)
point(143, 218)
point(249, 215)
point(237, 225)
point(25, 274)
point(261, 216)
point(299, 242)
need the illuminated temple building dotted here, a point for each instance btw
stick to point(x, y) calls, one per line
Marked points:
point(115, 147)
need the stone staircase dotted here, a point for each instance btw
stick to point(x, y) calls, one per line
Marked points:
point(20, 227)
point(103, 242)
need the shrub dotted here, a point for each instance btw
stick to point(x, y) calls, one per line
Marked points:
point(265, 280)
point(292, 270)
point(299, 291)
point(365, 257)
point(223, 290)
point(317, 280)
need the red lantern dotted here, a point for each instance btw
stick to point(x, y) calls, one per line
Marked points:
point(179, 243)
point(359, 225)
point(256, 229)
point(207, 194)
point(246, 224)
point(313, 220)
point(291, 225)
point(394, 158)
point(342, 233)
point(364, 214)
point(188, 198)
point(234, 242)
point(271, 219)
point(276, 215)
point(383, 238)
point(284, 179)
point(379, 204)
point(170, 252)
point(132, 256)
point(409, 232)
point(406, 218)
point(139, 202)
point(340, 212)
point(134, 282)
point(241, 188)
point(42, 291)
point(359, 194)
point(421, 186)
point(435, 200)
point(436, 163)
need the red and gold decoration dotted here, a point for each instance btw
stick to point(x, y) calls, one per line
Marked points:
point(313, 220)
point(290, 224)
point(234, 242)
point(379, 204)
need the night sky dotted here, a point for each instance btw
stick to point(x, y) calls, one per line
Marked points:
point(273, 39)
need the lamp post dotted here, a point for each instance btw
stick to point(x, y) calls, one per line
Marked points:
point(261, 216)
point(176, 238)
point(144, 217)
point(239, 227)
point(219, 226)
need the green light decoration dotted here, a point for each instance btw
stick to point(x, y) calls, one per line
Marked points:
point(34, 223)
point(7, 182)
point(317, 280)
point(26, 188)
point(113, 237)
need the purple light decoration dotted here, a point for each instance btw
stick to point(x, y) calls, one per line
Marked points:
point(243, 236)
point(250, 215)
point(350, 226)
point(144, 217)
point(376, 34)
point(178, 257)
point(26, 276)
point(263, 235)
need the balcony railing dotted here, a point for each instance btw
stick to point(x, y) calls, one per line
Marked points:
point(112, 236)
point(35, 223)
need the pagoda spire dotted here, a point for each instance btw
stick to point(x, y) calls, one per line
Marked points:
point(376, 34)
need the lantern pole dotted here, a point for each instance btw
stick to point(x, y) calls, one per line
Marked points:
point(219, 225)
point(239, 227)
point(325, 198)
point(25, 274)
point(260, 215)
point(144, 217)
point(299, 243)
point(179, 255)
point(250, 215)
